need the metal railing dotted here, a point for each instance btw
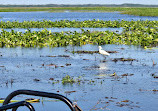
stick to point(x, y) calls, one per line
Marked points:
point(14, 106)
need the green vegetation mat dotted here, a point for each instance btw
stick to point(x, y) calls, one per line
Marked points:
point(78, 24)
point(142, 33)
point(139, 11)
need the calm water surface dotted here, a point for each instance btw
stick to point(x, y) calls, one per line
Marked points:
point(80, 16)
point(97, 89)
point(23, 65)
point(117, 30)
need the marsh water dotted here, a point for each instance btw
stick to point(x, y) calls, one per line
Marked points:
point(24, 65)
point(116, 30)
point(105, 84)
point(80, 16)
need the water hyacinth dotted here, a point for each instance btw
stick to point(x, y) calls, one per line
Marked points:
point(78, 24)
point(143, 36)
point(143, 33)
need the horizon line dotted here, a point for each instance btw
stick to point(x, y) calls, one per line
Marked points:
point(84, 4)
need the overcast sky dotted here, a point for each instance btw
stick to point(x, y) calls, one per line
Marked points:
point(27, 2)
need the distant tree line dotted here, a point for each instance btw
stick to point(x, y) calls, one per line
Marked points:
point(85, 5)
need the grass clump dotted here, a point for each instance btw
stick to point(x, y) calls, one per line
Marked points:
point(68, 79)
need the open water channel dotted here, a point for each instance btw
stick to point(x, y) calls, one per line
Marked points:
point(134, 86)
point(80, 16)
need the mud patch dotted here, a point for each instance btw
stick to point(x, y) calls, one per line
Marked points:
point(123, 59)
point(65, 56)
point(107, 102)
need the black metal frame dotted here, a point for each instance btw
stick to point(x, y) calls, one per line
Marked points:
point(72, 106)
point(14, 106)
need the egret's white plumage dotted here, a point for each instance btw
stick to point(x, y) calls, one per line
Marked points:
point(103, 52)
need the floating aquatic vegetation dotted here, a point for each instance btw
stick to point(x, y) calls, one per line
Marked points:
point(154, 90)
point(142, 33)
point(127, 74)
point(67, 64)
point(132, 25)
point(85, 52)
point(68, 79)
point(91, 52)
point(51, 79)
point(54, 65)
point(36, 80)
point(123, 59)
point(71, 80)
point(105, 103)
point(68, 92)
point(127, 103)
point(59, 56)
point(154, 75)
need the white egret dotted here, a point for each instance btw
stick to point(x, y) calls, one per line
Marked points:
point(103, 52)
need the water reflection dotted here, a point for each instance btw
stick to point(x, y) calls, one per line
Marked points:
point(103, 66)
